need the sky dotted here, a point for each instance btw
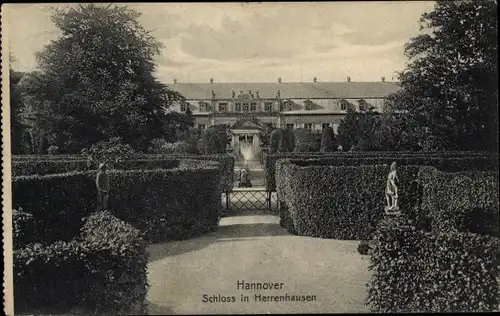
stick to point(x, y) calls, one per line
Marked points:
point(237, 42)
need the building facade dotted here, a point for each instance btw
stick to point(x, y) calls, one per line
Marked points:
point(311, 105)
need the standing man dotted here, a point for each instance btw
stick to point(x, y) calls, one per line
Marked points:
point(102, 183)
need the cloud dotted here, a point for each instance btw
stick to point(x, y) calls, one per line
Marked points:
point(255, 41)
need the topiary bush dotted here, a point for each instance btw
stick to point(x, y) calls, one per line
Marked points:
point(276, 140)
point(417, 271)
point(304, 141)
point(287, 142)
point(328, 141)
point(102, 270)
point(53, 150)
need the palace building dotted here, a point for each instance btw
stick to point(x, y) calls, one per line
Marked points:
point(246, 108)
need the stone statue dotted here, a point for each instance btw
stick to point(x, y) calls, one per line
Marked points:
point(233, 94)
point(278, 94)
point(213, 94)
point(257, 94)
point(102, 183)
point(391, 190)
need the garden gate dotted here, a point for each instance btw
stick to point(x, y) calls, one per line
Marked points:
point(257, 198)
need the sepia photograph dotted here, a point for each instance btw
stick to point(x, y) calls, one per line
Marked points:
point(250, 158)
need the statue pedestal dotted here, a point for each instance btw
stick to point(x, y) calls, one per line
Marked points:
point(392, 211)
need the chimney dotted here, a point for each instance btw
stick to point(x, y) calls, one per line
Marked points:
point(383, 79)
point(315, 79)
point(175, 80)
point(348, 79)
point(211, 80)
point(279, 79)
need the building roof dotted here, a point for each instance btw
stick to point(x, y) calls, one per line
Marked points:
point(306, 90)
point(246, 124)
point(313, 112)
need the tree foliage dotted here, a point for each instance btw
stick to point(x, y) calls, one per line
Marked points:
point(17, 128)
point(328, 140)
point(96, 81)
point(449, 89)
point(348, 130)
point(275, 140)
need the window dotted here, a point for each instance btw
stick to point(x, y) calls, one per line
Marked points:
point(238, 107)
point(222, 107)
point(290, 126)
point(245, 107)
point(253, 107)
point(201, 126)
point(325, 125)
point(209, 107)
point(308, 126)
point(202, 107)
point(343, 105)
point(268, 106)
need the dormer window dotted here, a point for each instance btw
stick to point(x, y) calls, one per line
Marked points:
point(343, 105)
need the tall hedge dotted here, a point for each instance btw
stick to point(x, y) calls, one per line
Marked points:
point(341, 202)
point(168, 204)
point(463, 201)
point(417, 271)
point(287, 141)
point(102, 270)
point(57, 203)
point(304, 141)
point(446, 161)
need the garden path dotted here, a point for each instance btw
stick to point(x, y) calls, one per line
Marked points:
point(252, 247)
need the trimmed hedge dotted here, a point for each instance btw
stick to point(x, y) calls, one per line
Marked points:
point(57, 203)
point(341, 202)
point(103, 270)
point(463, 201)
point(417, 271)
point(446, 161)
point(226, 165)
point(168, 204)
point(42, 167)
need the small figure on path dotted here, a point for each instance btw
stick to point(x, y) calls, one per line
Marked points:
point(244, 181)
point(391, 190)
point(102, 183)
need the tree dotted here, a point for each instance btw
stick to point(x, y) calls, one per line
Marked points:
point(97, 80)
point(304, 141)
point(287, 142)
point(449, 89)
point(17, 127)
point(210, 142)
point(348, 134)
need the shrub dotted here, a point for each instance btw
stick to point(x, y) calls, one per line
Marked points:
point(364, 247)
point(210, 142)
point(55, 201)
point(23, 224)
point(276, 140)
point(112, 152)
point(416, 271)
point(463, 201)
point(103, 269)
point(168, 204)
point(341, 202)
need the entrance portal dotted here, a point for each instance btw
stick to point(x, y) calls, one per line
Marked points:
point(246, 143)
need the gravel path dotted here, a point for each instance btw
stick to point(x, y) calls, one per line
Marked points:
point(253, 248)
